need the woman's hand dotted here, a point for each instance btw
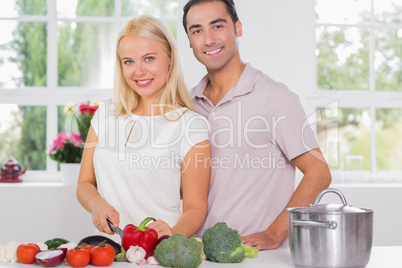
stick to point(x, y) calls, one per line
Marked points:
point(161, 227)
point(99, 215)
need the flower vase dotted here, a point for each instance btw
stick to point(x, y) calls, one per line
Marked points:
point(70, 173)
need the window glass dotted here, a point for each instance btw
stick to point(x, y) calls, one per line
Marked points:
point(10, 8)
point(85, 58)
point(388, 139)
point(171, 25)
point(342, 58)
point(23, 134)
point(23, 54)
point(343, 11)
point(72, 9)
point(156, 8)
point(344, 137)
point(86, 54)
point(65, 121)
point(173, 28)
point(388, 11)
point(388, 60)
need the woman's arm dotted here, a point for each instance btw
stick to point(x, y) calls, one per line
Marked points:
point(196, 173)
point(87, 192)
point(195, 177)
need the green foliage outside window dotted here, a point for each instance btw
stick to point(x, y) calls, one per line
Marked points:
point(79, 51)
point(340, 69)
point(79, 47)
point(343, 63)
point(30, 42)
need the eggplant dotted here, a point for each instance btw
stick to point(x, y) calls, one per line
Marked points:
point(163, 237)
point(94, 240)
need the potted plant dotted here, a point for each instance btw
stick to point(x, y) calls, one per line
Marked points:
point(67, 148)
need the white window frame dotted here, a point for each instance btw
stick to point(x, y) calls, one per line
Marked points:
point(370, 99)
point(51, 96)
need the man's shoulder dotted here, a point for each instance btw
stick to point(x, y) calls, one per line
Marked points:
point(265, 80)
point(266, 83)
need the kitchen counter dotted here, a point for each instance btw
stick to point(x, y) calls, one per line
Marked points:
point(381, 257)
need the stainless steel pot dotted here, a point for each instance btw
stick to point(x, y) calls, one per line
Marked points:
point(330, 235)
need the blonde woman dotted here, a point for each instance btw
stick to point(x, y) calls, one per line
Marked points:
point(147, 149)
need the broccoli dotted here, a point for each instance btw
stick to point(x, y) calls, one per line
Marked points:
point(179, 251)
point(223, 244)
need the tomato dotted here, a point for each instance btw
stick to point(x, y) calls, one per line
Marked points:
point(26, 253)
point(86, 247)
point(78, 257)
point(103, 255)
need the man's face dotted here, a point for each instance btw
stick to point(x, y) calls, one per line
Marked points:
point(212, 34)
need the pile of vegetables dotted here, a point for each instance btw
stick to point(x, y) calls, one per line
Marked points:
point(101, 255)
point(26, 252)
point(218, 244)
point(52, 252)
point(140, 245)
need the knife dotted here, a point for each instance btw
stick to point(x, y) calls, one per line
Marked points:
point(114, 229)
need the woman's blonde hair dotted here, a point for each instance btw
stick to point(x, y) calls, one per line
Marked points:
point(175, 93)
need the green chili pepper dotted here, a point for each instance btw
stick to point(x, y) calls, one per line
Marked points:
point(55, 242)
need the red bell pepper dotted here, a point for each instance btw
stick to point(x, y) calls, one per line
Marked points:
point(141, 236)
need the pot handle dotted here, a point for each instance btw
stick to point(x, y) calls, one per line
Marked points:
point(323, 224)
point(330, 190)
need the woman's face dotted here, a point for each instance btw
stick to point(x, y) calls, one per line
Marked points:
point(145, 65)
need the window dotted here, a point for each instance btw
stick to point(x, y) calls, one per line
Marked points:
point(359, 88)
point(53, 53)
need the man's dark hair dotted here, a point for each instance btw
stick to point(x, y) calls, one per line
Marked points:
point(230, 7)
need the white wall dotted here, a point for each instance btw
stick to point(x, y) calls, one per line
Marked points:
point(278, 39)
point(35, 214)
point(31, 213)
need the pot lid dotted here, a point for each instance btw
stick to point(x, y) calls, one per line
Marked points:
point(330, 208)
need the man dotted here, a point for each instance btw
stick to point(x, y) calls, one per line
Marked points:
point(259, 133)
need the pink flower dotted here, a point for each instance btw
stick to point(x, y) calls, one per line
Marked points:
point(68, 147)
point(65, 137)
point(88, 108)
point(75, 139)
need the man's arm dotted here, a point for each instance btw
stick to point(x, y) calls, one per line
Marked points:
point(316, 177)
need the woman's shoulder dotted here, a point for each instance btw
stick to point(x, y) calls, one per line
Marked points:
point(106, 107)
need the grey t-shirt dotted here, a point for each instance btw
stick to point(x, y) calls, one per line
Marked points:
point(256, 129)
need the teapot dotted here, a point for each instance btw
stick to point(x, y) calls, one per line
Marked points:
point(11, 170)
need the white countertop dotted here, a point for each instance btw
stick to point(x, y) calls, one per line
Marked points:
point(381, 257)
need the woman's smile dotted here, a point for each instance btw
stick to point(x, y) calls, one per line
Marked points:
point(144, 82)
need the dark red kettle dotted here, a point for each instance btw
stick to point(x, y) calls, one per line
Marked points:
point(12, 170)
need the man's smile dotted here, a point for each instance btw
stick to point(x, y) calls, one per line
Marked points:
point(213, 51)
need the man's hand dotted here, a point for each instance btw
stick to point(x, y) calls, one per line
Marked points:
point(261, 241)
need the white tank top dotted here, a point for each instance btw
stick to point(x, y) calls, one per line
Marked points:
point(137, 161)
